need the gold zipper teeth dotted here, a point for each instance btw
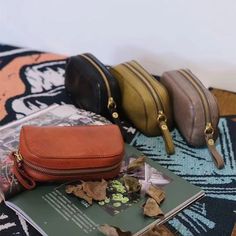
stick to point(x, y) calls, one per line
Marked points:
point(101, 73)
point(155, 96)
point(65, 172)
point(143, 72)
point(201, 93)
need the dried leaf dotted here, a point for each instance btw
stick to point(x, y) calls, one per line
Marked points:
point(112, 231)
point(81, 194)
point(152, 209)
point(78, 192)
point(156, 193)
point(159, 230)
point(132, 184)
point(69, 188)
point(136, 164)
point(95, 190)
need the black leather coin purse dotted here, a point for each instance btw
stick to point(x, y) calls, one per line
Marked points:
point(92, 87)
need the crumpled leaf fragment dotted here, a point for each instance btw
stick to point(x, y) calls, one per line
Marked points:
point(136, 164)
point(96, 189)
point(156, 193)
point(132, 184)
point(69, 188)
point(113, 231)
point(152, 209)
point(159, 230)
point(81, 194)
point(78, 192)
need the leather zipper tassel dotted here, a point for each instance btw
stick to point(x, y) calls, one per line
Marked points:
point(209, 130)
point(25, 180)
point(170, 148)
point(161, 118)
point(217, 158)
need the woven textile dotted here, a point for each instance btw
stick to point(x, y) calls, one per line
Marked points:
point(32, 80)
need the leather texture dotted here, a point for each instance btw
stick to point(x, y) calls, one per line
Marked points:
point(82, 148)
point(188, 108)
point(138, 103)
point(86, 86)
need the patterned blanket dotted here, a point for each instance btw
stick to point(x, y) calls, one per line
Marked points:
point(32, 80)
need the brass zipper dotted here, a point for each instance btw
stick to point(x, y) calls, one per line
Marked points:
point(202, 96)
point(209, 130)
point(111, 103)
point(161, 117)
point(21, 161)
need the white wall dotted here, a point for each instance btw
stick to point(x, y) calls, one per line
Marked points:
point(162, 35)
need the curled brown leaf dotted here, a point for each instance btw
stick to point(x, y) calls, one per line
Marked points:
point(132, 184)
point(113, 231)
point(78, 192)
point(136, 164)
point(152, 209)
point(81, 194)
point(156, 193)
point(159, 230)
point(95, 190)
point(69, 188)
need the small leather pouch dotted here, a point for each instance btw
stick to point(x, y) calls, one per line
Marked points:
point(49, 154)
point(145, 101)
point(195, 110)
point(92, 87)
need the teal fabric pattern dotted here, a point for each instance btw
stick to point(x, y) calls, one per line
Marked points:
point(196, 166)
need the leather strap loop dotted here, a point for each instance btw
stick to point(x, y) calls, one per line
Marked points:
point(170, 147)
point(217, 158)
point(25, 180)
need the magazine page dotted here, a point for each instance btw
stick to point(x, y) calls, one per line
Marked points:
point(56, 115)
point(53, 211)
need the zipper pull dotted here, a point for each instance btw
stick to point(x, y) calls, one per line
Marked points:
point(114, 114)
point(217, 158)
point(25, 180)
point(162, 120)
point(112, 109)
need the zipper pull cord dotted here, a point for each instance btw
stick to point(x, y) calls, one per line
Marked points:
point(162, 120)
point(25, 180)
point(217, 158)
point(114, 114)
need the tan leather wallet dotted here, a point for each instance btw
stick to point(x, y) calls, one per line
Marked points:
point(68, 153)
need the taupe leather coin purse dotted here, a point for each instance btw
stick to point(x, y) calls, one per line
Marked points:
point(195, 110)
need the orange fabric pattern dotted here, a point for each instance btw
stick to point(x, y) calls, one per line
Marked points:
point(11, 84)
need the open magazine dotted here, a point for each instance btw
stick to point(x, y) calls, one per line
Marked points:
point(52, 211)
point(55, 115)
